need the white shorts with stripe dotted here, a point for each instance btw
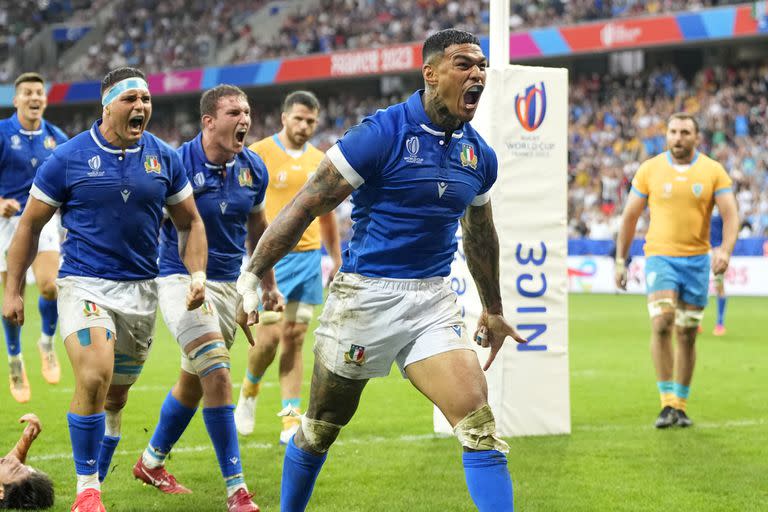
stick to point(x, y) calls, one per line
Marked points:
point(127, 309)
point(217, 314)
point(49, 237)
point(369, 323)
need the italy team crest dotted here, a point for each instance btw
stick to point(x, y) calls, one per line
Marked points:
point(90, 309)
point(206, 308)
point(244, 177)
point(49, 142)
point(468, 156)
point(152, 164)
point(356, 355)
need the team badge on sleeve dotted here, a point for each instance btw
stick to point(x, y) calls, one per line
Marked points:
point(356, 355)
point(152, 164)
point(468, 156)
point(244, 177)
point(49, 142)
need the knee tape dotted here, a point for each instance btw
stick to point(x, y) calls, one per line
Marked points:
point(658, 306)
point(299, 312)
point(269, 317)
point(688, 317)
point(477, 431)
point(319, 434)
point(208, 357)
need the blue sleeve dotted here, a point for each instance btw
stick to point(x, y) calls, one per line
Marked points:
point(491, 171)
point(50, 183)
point(362, 152)
point(180, 188)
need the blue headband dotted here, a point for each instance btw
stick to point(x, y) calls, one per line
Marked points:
point(122, 86)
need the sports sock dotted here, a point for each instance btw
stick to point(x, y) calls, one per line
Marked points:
point(681, 395)
point(667, 392)
point(85, 433)
point(220, 423)
point(12, 337)
point(251, 384)
point(174, 418)
point(721, 303)
point(293, 402)
point(49, 315)
point(300, 470)
point(488, 481)
point(107, 450)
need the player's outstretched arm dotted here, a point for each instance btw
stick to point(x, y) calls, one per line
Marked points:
point(321, 194)
point(31, 431)
point(632, 211)
point(481, 248)
point(726, 203)
point(193, 246)
point(21, 253)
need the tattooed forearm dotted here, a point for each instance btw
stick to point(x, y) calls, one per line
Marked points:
point(481, 248)
point(321, 194)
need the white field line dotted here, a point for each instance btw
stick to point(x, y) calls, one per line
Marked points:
point(153, 388)
point(415, 438)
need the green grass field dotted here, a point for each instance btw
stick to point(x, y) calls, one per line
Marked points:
point(387, 459)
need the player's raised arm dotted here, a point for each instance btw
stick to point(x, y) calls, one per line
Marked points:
point(320, 195)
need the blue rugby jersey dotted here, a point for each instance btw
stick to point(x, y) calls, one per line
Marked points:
point(111, 202)
point(413, 183)
point(21, 154)
point(225, 196)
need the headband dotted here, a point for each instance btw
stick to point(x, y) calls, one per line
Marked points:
point(122, 86)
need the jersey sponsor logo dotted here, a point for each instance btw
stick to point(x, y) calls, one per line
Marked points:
point(412, 145)
point(531, 107)
point(90, 309)
point(49, 142)
point(15, 142)
point(697, 189)
point(95, 164)
point(223, 206)
point(666, 191)
point(199, 179)
point(468, 156)
point(244, 177)
point(126, 194)
point(356, 355)
point(33, 161)
point(441, 186)
point(152, 164)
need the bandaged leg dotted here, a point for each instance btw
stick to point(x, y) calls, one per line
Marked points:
point(688, 318)
point(660, 306)
point(485, 465)
point(208, 357)
point(300, 467)
point(109, 442)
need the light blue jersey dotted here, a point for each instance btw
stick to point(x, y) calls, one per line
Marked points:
point(21, 154)
point(111, 202)
point(413, 183)
point(225, 196)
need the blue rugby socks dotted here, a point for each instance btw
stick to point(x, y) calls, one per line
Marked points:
point(488, 481)
point(220, 423)
point(174, 418)
point(85, 433)
point(300, 470)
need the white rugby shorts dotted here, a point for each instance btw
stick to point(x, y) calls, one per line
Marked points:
point(369, 323)
point(49, 237)
point(125, 308)
point(217, 314)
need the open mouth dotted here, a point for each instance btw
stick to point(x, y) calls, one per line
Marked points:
point(472, 96)
point(240, 135)
point(136, 122)
point(34, 108)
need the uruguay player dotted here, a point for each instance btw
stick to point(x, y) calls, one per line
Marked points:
point(716, 240)
point(229, 183)
point(26, 141)
point(414, 169)
point(291, 160)
point(680, 187)
point(111, 184)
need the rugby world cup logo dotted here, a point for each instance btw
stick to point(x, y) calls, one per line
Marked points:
point(531, 106)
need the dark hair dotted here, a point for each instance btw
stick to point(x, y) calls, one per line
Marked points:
point(209, 101)
point(683, 116)
point(439, 41)
point(28, 77)
point(33, 493)
point(119, 74)
point(305, 98)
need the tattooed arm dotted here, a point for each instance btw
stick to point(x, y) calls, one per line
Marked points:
point(481, 248)
point(320, 195)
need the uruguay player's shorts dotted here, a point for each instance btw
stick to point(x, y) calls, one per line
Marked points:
point(216, 315)
point(369, 323)
point(299, 277)
point(125, 308)
point(49, 237)
point(686, 275)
